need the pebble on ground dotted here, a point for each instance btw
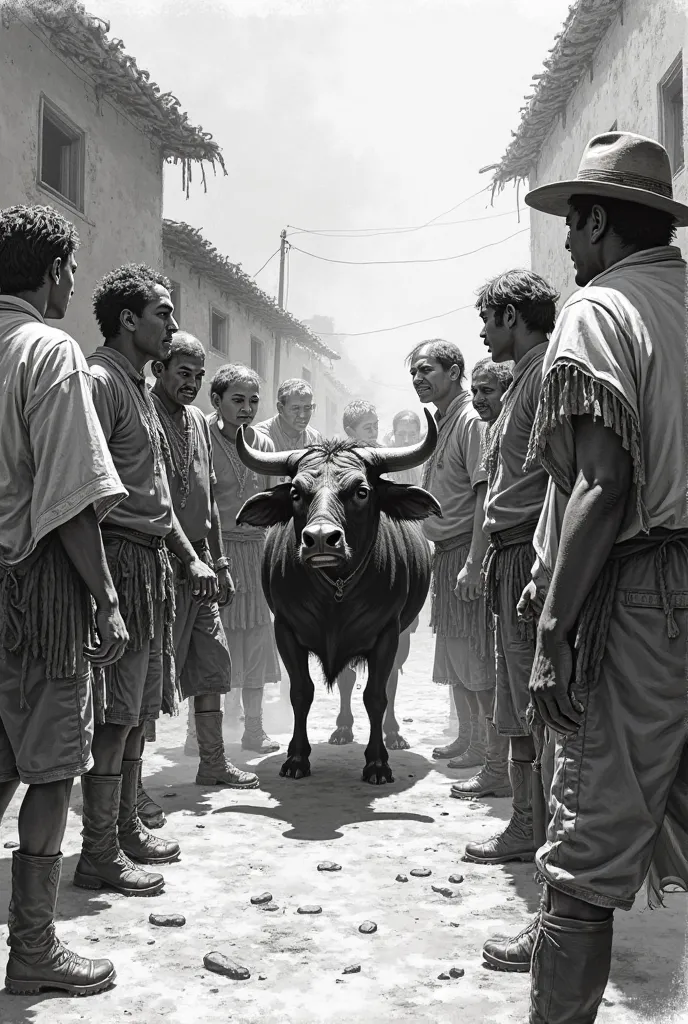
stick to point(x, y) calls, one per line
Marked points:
point(221, 964)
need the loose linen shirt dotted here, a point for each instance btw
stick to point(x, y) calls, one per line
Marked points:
point(148, 506)
point(195, 516)
point(627, 331)
point(229, 494)
point(54, 459)
point(455, 470)
point(282, 443)
point(515, 496)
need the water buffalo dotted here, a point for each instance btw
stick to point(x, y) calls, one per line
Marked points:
point(346, 569)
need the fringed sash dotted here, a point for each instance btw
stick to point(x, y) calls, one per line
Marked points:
point(450, 616)
point(508, 562)
point(244, 548)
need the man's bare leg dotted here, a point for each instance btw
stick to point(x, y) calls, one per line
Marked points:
point(7, 791)
point(463, 711)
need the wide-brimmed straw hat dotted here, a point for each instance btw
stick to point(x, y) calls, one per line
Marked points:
point(618, 165)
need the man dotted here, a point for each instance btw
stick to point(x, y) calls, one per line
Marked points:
point(518, 309)
point(235, 394)
point(289, 428)
point(202, 659)
point(406, 431)
point(58, 482)
point(135, 314)
point(454, 475)
point(360, 421)
point(612, 542)
point(489, 383)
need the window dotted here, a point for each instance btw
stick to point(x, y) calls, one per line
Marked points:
point(258, 357)
point(61, 156)
point(219, 339)
point(671, 113)
point(306, 375)
point(176, 296)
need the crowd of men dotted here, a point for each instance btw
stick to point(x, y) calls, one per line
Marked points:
point(559, 582)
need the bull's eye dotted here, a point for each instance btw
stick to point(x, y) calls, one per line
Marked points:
point(295, 496)
point(362, 493)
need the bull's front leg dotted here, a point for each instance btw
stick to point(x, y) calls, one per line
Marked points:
point(344, 733)
point(380, 663)
point(295, 658)
point(390, 725)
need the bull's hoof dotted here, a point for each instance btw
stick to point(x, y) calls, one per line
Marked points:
point(295, 767)
point(395, 741)
point(377, 773)
point(342, 735)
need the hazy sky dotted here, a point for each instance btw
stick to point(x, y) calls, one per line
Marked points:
point(342, 115)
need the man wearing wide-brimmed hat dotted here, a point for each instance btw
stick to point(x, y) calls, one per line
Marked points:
point(610, 669)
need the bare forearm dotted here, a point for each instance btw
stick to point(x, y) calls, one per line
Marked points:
point(479, 540)
point(83, 542)
point(179, 544)
point(217, 549)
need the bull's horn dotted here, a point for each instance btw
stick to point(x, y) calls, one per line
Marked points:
point(394, 460)
point(267, 463)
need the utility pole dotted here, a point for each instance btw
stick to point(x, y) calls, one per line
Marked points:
point(280, 302)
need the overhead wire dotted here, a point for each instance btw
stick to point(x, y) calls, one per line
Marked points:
point(397, 327)
point(376, 232)
point(436, 259)
point(266, 263)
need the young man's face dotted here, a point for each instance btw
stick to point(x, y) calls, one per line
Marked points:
point(62, 290)
point(155, 328)
point(366, 429)
point(182, 378)
point(407, 433)
point(238, 405)
point(296, 410)
point(487, 395)
point(432, 382)
point(496, 337)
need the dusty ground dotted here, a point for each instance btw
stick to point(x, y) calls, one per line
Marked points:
point(239, 845)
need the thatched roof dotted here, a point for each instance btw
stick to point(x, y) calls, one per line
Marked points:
point(187, 244)
point(66, 27)
point(569, 59)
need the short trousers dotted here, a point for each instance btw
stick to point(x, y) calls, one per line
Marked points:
point(254, 656)
point(457, 661)
point(612, 779)
point(513, 662)
point(133, 685)
point(200, 647)
point(50, 739)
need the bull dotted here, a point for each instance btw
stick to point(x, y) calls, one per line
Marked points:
point(345, 570)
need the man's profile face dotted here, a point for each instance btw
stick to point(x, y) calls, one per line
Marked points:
point(579, 247)
point(431, 381)
point(156, 326)
point(296, 410)
point(497, 337)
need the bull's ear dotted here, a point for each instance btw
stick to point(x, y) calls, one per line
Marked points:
point(404, 501)
point(267, 508)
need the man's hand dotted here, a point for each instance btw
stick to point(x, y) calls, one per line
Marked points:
point(529, 608)
point(113, 637)
point(226, 588)
point(203, 581)
point(469, 583)
point(550, 683)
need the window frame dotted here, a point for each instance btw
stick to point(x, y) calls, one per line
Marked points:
point(64, 124)
point(261, 349)
point(214, 311)
point(672, 78)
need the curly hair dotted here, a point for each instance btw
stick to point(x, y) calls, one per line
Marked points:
point(31, 239)
point(502, 372)
point(355, 411)
point(446, 353)
point(531, 296)
point(129, 287)
point(183, 344)
point(230, 374)
point(293, 386)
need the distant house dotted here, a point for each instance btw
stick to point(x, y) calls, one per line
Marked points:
point(237, 322)
point(617, 64)
point(83, 129)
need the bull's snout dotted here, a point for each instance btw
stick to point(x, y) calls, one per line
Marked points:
point(323, 543)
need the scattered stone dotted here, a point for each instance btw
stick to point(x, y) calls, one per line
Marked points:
point(166, 796)
point(200, 826)
point(608, 1002)
point(93, 938)
point(11, 845)
point(407, 720)
point(443, 891)
point(456, 972)
point(221, 964)
point(443, 977)
point(455, 879)
point(454, 924)
point(412, 776)
point(329, 865)
point(265, 897)
point(339, 981)
point(353, 969)
point(151, 942)
point(309, 909)
point(270, 906)
point(444, 814)
point(475, 807)
point(367, 928)
point(420, 872)
point(215, 990)
point(401, 878)
point(167, 920)
point(510, 899)
point(262, 977)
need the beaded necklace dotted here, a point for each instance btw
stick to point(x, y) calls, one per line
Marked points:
point(240, 470)
point(182, 447)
